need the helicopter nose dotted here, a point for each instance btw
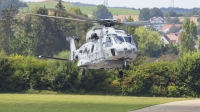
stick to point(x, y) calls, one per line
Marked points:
point(130, 48)
point(125, 47)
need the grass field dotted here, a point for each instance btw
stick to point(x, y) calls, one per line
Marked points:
point(84, 9)
point(75, 103)
point(191, 18)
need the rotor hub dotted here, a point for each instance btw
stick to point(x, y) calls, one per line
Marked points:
point(108, 22)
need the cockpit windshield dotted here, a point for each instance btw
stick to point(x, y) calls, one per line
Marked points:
point(129, 39)
point(118, 39)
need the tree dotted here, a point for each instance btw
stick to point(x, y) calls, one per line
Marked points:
point(6, 72)
point(174, 20)
point(149, 43)
point(144, 14)
point(156, 12)
point(189, 73)
point(198, 30)
point(188, 37)
point(198, 20)
point(171, 13)
point(47, 35)
point(130, 29)
point(170, 49)
point(198, 43)
point(8, 17)
point(16, 3)
point(79, 28)
point(24, 43)
point(60, 6)
point(101, 12)
point(194, 12)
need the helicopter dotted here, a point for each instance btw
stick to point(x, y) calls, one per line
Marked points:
point(106, 47)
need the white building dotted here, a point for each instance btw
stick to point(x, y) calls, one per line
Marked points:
point(122, 18)
point(157, 20)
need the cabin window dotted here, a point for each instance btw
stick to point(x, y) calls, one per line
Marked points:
point(108, 42)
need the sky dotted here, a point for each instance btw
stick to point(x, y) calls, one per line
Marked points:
point(140, 3)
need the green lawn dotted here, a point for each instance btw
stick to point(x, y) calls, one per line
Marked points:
point(84, 9)
point(75, 103)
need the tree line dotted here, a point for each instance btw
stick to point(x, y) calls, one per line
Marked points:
point(6, 3)
point(21, 71)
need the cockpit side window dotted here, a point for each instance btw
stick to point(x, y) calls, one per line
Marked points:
point(118, 39)
point(108, 42)
point(129, 39)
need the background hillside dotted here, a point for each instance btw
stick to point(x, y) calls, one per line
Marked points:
point(89, 9)
point(84, 9)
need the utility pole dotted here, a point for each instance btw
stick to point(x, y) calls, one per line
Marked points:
point(172, 4)
point(105, 3)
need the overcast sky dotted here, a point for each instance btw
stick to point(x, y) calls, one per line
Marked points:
point(141, 3)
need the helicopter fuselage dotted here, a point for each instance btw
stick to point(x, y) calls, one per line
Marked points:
point(109, 49)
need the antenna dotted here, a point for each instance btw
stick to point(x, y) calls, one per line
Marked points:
point(172, 4)
point(105, 3)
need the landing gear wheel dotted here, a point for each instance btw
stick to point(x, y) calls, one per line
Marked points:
point(120, 74)
point(83, 72)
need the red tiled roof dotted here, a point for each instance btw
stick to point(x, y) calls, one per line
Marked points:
point(121, 17)
point(174, 38)
point(165, 26)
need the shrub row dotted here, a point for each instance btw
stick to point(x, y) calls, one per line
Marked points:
point(173, 79)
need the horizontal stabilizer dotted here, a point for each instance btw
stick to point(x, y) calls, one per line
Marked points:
point(49, 57)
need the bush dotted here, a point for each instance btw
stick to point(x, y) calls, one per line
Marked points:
point(150, 79)
point(189, 73)
point(155, 90)
point(173, 91)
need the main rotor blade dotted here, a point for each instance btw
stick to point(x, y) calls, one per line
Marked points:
point(49, 57)
point(86, 21)
point(73, 15)
point(139, 23)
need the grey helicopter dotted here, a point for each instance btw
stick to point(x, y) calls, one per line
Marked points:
point(106, 47)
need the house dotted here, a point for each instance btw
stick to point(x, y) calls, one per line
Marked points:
point(122, 18)
point(171, 38)
point(165, 39)
point(157, 20)
point(166, 27)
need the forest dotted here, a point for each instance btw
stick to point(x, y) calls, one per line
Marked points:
point(174, 73)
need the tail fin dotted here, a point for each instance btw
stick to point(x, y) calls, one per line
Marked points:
point(72, 47)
